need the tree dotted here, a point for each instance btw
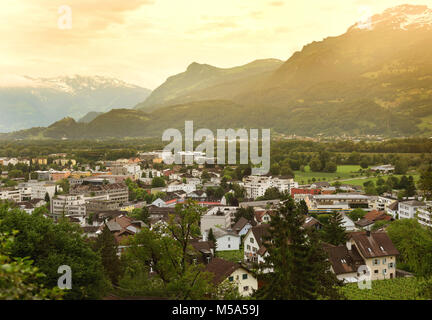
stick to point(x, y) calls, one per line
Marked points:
point(19, 279)
point(356, 214)
point(158, 182)
point(300, 269)
point(425, 182)
point(333, 231)
point(401, 166)
point(211, 237)
point(47, 197)
point(275, 169)
point(330, 167)
point(414, 243)
point(141, 214)
point(315, 165)
point(248, 213)
point(51, 245)
point(364, 164)
point(166, 252)
point(106, 246)
point(271, 194)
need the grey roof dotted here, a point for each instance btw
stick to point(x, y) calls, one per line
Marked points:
point(113, 226)
point(414, 203)
point(218, 232)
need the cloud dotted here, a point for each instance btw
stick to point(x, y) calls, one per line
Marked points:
point(276, 3)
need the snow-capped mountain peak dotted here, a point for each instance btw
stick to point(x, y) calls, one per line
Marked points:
point(403, 17)
point(77, 83)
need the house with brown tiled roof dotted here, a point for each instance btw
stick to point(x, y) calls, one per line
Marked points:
point(371, 217)
point(374, 250)
point(253, 244)
point(242, 226)
point(121, 227)
point(235, 273)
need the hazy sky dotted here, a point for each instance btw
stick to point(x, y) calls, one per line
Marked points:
point(145, 41)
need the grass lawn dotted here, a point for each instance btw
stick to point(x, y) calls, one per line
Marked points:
point(394, 289)
point(359, 182)
point(343, 172)
point(233, 255)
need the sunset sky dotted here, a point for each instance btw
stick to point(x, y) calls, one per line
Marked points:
point(145, 41)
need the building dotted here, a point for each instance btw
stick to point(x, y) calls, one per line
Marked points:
point(30, 205)
point(74, 205)
point(371, 249)
point(117, 192)
point(383, 203)
point(371, 217)
point(408, 209)
point(385, 168)
point(234, 273)
point(177, 186)
point(253, 244)
point(65, 162)
point(218, 216)
point(242, 226)
point(226, 240)
point(256, 186)
point(341, 201)
point(10, 193)
point(424, 215)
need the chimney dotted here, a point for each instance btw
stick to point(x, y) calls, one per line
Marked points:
point(368, 233)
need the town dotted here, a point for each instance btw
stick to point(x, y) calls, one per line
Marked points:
point(230, 216)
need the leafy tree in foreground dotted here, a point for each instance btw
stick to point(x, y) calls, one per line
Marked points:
point(19, 278)
point(414, 243)
point(52, 245)
point(300, 270)
point(161, 258)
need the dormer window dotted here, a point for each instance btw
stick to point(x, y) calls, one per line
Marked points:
point(370, 250)
point(382, 249)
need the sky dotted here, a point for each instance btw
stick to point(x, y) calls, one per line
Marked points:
point(145, 41)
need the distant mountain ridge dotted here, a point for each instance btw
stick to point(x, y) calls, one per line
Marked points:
point(369, 80)
point(206, 82)
point(43, 100)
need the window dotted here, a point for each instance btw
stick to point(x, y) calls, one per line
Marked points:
point(229, 238)
point(248, 247)
point(245, 276)
point(375, 262)
point(384, 271)
point(229, 246)
point(251, 240)
point(390, 265)
point(246, 288)
point(231, 279)
point(376, 271)
point(384, 260)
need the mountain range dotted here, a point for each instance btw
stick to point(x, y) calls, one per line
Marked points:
point(376, 78)
point(41, 101)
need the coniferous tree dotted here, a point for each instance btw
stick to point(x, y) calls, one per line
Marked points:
point(211, 237)
point(107, 247)
point(333, 231)
point(298, 264)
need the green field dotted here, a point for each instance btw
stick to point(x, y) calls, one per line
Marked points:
point(234, 255)
point(359, 182)
point(394, 289)
point(343, 172)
